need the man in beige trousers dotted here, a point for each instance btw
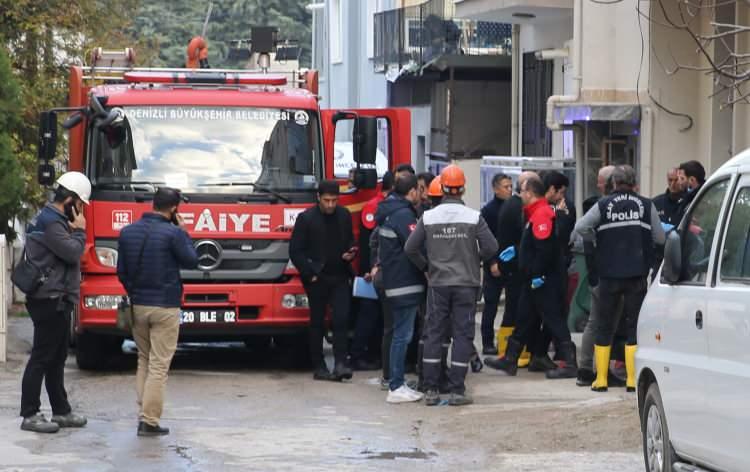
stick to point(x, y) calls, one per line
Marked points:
point(151, 253)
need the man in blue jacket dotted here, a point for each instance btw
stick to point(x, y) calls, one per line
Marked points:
point(151, 253)
point(403, 283)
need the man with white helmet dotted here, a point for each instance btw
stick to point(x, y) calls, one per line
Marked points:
point(55, 243)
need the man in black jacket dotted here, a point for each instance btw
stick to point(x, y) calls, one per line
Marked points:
point(492, 285)
point(510, 224)
point(322, 248)
point(55, 243)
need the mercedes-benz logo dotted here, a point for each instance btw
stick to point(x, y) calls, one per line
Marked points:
point(209, 254)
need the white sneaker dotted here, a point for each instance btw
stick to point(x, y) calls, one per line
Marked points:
point(418, 395)
point(401, 395)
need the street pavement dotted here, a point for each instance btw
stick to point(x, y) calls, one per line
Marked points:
point(229, 409)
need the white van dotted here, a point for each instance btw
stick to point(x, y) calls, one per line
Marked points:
point(693, 358)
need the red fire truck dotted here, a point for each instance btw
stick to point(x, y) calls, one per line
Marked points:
point(247, 149)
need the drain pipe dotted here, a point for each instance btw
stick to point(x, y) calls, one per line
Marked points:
point(552, 123)
point(515, 89)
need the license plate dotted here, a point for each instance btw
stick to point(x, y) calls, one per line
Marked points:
point(207, 316)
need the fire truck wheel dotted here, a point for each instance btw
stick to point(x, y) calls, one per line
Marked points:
point(95, 351)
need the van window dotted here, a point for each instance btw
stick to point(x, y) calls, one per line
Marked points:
point(698, 233)
point(735, 261)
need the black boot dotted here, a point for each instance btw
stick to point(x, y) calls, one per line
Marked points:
point(509, 362)
point(541, 363)
point(585, 377)
point(568, 368)
point(147, 430)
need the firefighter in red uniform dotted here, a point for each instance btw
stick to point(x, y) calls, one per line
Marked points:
point(540, 296)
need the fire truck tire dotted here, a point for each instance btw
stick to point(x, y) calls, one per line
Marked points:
point(95, 351)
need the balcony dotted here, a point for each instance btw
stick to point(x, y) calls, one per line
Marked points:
point(411, 37)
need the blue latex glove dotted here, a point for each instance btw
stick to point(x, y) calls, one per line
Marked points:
point(537, 282)
point(508, 254)
point(667, 227)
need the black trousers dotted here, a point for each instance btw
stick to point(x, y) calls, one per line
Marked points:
point(512, 284)
point(491, 290)
point(51, 318)
point(631, 293)
point(336, 293)
point(536, 306)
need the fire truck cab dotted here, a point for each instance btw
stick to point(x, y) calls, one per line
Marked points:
point(247, 150)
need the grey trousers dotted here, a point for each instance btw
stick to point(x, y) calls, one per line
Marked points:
point(452, 313)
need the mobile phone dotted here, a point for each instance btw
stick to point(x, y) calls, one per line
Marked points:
point(70, 211)
point(174, 219)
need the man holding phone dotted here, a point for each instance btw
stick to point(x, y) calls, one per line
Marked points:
point(151, 253)
point(322, 249)
point(56, 238)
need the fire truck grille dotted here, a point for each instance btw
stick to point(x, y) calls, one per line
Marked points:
point(238, 260)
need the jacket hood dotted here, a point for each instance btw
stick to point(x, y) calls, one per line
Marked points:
point(391, 205)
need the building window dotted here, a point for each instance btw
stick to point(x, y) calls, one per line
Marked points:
point(336, 31)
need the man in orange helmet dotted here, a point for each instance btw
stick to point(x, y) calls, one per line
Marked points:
point(449, 243)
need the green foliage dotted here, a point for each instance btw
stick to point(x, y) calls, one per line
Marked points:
point(11, 177)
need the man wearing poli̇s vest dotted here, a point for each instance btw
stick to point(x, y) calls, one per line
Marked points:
point(626, 227)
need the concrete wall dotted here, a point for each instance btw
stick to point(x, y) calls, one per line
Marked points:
point(352, 82)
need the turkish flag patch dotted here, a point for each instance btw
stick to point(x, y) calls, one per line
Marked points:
point(542, 230)
point(412, 227)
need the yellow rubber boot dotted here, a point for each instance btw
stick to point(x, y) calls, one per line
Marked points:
point(601, 360)
point(524, 359)
point(502, 339)
point(630, 366)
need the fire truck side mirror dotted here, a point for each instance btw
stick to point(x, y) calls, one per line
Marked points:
point(365, 140)
point(46, 147)
point(47, 135)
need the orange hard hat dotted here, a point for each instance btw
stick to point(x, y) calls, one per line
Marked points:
point(452, 177)
point(435, 189)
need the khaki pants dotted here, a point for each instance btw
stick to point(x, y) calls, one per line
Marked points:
point(155, 331)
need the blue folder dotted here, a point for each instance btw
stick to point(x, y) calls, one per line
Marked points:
point(364, 289)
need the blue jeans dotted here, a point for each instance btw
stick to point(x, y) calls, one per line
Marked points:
point(403, 329)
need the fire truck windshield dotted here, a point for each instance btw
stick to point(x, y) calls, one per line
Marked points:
point(210, 149)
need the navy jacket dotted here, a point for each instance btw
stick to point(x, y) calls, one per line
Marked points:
point(167, 249)
point(403, 282)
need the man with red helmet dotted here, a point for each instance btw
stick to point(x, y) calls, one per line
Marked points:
point(449, 243)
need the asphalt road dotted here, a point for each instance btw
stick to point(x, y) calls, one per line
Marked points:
point(229, 409)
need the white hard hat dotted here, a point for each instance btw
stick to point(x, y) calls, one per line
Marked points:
point(76, 183)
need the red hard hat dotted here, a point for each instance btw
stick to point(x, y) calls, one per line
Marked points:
point(452, 177)
point(435, 189)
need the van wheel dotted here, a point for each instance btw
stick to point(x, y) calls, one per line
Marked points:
point(94, 351)
point(657, 449)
